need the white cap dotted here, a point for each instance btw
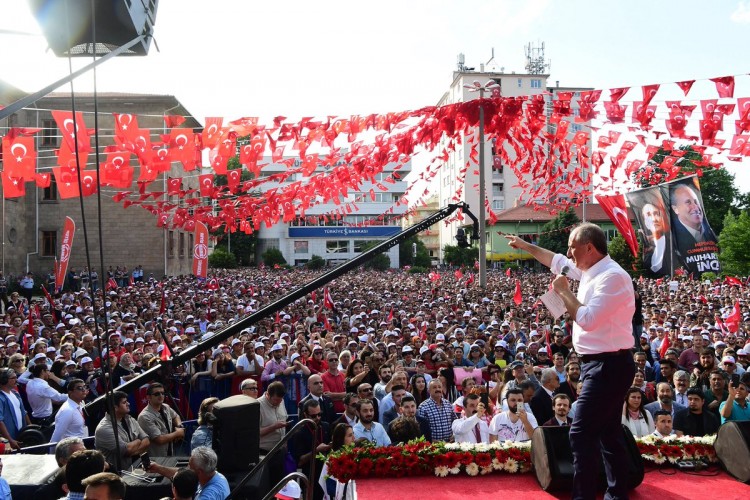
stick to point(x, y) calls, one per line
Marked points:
point(290, 491)
point(407, 348)
point(294, 356)
point(41, 355)
point(276, 347)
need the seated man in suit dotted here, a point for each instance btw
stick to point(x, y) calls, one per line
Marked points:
point(665, 401)
point(302, 449)
point(561, 408)
point(541, 402)
point(697, 421)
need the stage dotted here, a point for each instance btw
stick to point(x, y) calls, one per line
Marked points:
point(667, 483)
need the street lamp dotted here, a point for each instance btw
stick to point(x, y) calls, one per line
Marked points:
point(494, 89)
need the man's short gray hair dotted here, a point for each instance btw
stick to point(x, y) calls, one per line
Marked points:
point(63, 449)
point(204, 459)
point(548, 374)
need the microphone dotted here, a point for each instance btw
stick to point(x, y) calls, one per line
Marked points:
point(564, 271)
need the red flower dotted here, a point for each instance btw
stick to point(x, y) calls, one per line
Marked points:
point(467, 458)
point(483, 459)
point(364, 467)
point(382, 467)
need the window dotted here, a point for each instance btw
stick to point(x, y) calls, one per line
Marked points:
point(536, 83)
point(498, 204)
point(359, 246)
point(191, 246)
point(49, 243)
point(49, 133)
point(531, 238)
point(520, 83)
point(170, 244)
point(301, 247)
point(50, 192)
point(181, 247)
point(341, 246)
point(497, 189)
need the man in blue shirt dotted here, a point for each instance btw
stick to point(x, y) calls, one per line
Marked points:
point(367, 427)
point(735, 408)
point(212, 485)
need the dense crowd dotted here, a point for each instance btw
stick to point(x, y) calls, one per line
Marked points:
point(395, 356)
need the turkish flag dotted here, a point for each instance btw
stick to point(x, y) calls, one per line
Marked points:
point(182, 147)
point(508, 272)
point(458, 274)
point(43, 180)
point(13, 187)
point(664, 346)
point(88, 182)
point(126, 127)
point(67, 183)
point(69, 127)
point(390, 316)
point(731, 280)
point(174, 185)
point(470, 280)
point(617, 211)
point(20, 157)
point(327, 300)
point(206, 182)
point(733, 320)
point(517, 297)
point(212, 132)
point(172, 121)
point(117, 171)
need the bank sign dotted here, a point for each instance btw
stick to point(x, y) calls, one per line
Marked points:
point(343, 232)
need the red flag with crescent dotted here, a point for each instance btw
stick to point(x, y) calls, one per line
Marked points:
point(200, 250)
point(327, 299)
point(20, 157)
point(66, 245)
point(518, 297)
point(615, 208)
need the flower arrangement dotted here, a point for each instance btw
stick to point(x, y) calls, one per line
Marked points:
point(420, 458)
point(673, 449)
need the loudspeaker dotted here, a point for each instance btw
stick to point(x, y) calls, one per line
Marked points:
point(236, 435)
point(732, 447)
point(552, 457)
point(67, 25)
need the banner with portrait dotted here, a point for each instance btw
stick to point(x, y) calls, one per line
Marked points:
point(674, 229)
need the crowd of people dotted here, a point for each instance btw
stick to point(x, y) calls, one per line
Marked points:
point(395, 356)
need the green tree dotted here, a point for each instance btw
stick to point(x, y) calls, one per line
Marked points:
point(406, 253)
point(457, 256)
point(735, 252)
point(717, 184)
point(241, 245)
point(316, 262)
point(555, 233)
point(381, 262)
point(273, 256)
point(221, 259)
point(620, 253)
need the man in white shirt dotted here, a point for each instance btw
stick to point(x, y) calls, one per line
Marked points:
point(41, 396)
point(471, 427)
point(663, 424)
point(69, 421)
point(250, 363)
point(515, 423)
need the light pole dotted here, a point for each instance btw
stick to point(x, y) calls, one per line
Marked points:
point(477, 87)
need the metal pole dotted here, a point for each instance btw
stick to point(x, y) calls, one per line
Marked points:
point(482, 210)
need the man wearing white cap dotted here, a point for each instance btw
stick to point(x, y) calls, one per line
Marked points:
point(275, 367)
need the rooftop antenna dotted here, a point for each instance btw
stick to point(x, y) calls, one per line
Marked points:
point(461, 61)
point(535, 63)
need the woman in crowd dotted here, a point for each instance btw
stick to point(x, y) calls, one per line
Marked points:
point(342, 435)
point(418, 388)
point(647, 388)
point(203, 434)
point(634, 415)
point(222, 371)
point(355, 374)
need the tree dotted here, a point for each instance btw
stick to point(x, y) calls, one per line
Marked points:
point(316, 262)
point(406, 253)
point(556, 232)
point(380, 262)
point(457, 256)
point(273, 256)
point(735, 252)
point(241, 245)
point(620, 253)
point(221, 259)
point(717, 184)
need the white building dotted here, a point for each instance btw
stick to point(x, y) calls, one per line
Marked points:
point(364, 219)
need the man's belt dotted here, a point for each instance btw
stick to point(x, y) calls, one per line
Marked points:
point(585, 358)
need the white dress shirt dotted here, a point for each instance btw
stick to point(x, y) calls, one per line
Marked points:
point(69, 422)
point(463, 429)
point(604, 322)
point(41, 396)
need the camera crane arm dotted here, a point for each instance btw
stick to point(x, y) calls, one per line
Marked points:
point(233, 329)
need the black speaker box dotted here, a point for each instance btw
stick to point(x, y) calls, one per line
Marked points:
point(67, 25)
point(552, 458)
point(732, 447)
point(237, 433)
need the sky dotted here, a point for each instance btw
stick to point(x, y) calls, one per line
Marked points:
point(236, 58)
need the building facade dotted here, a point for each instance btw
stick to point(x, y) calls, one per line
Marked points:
point(367, 215)
point(32, 225)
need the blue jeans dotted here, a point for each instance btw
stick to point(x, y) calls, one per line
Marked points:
point(597, 427)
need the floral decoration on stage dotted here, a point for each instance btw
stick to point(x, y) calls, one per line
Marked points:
point(673, 449)
point(421, 458)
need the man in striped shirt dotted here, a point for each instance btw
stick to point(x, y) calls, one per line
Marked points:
point(439, 413)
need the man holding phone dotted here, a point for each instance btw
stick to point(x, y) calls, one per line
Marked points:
point(735, 408)
point(515, 423)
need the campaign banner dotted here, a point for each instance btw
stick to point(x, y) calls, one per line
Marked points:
point(674, 229)
point(200, 251)
point(695, 245)
point(66, 245)
point(653, 221)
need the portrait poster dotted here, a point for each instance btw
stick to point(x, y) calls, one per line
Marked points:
point(653, 224)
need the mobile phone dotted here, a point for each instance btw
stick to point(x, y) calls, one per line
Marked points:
point(145, 461)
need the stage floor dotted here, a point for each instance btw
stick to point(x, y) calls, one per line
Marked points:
point(658, 483)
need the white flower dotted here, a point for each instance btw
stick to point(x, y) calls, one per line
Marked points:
point(472, 469)
point(659, 460)
point(452, 446)
point(511, 465)
point(466, 446)
point(455, 470)
point(497, 464)
point(482, 447)
point(486, 470)
point(441, 471)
